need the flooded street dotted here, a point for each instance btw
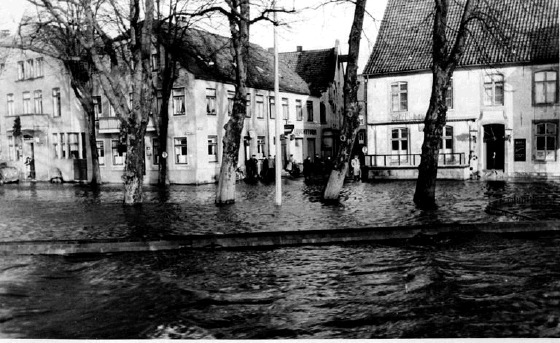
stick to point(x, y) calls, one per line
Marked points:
point(468, 285)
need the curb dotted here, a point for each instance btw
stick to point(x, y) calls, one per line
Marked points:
point(270, 239)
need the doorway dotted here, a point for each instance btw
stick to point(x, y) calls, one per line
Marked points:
point(494, 140)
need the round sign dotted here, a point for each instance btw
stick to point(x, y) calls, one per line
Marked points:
point(164, 154)
point(364, 149)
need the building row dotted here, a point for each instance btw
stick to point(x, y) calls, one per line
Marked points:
point(36, 91)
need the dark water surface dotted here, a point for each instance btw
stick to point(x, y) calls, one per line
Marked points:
point(473, 285)
point(46, 211)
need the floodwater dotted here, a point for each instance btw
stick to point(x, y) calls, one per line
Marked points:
point(45, 211)
point(472, 285)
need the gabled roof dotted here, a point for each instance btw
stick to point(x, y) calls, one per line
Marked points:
point(404, 43)
point(316, 67)
point(209, 57)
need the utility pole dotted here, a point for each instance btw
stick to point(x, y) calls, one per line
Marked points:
point(278, 120)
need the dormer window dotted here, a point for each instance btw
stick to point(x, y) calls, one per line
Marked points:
point(399, 96)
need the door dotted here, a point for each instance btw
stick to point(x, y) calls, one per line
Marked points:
point(494, 140)
point(310, 148)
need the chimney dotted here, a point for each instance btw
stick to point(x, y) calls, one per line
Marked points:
point(299, 48)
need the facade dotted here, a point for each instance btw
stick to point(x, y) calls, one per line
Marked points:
point(54, 130)
point(503, 109)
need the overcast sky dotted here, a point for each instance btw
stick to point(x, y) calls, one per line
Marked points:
point(316, 27)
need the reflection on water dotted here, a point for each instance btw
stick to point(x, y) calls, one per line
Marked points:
point(45, 211)
point(470, 286)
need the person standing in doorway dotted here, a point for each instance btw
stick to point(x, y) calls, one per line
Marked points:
point(355, 163)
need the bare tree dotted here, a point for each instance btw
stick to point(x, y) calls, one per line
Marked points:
point(44, 34)
point(351, 108)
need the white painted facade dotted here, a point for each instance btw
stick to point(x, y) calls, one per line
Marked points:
point(516, 121)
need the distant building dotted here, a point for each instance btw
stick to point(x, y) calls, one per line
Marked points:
point(37, 90)
point(503, 117)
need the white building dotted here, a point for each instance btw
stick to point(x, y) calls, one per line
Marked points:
point(503, 117)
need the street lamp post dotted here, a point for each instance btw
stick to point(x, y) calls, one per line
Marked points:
point(278, 120)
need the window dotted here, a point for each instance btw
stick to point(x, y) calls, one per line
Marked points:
point(399, 145)
point(21, 70)
point(248, 106)
point(56, 153)
point(260, 146)
point(181, 150)
point(310, 111)
point(399, 96)
point(299, 110)
point(29, 69)
point(38, 102)
point(155, 152)
point(494, 90)
point(39, 67)
point(26, 102)
point(101, 152)
point(62, 145)
point(230, 102)
point(11, 110)
point(446, 148)
point(97, 107)
point(285, 109)
point(211, 101)
point(57, 106)
point(118, 152)
point(259, 107)
point(545, 87)
point(546, 139)
point(449, 96)
point(155, 61)
point(212, 148)
point(74, 146)
point(272, 107)
point(323, 113)
point(178, 101)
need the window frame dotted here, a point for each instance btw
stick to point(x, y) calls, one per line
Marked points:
point(178, 94)
point(38, 101)
point(212, 148)
point(10, 103)
point(553, 138)
point(545, 82)
point(211, 101)
point(39, 67)
point(299, 110)
point(449, 98)
point(29, 69)
point(308, 106)
point(21, 70)
point(177, 143)
point(272, 107)
point(489, 81)
point(121, 154)
point(155, 151)
point(100, 146)
point(259, 106)
point(400, 155)
point(57, 102)
point(285, 109)
point(248, 106)
point(26, 101)
point(399, 95)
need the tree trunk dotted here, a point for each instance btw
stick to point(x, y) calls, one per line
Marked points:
point(239, 27)
point(133, 176)
point(351, 108)
point(163, 124)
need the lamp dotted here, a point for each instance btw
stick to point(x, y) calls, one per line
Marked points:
point(508, 135)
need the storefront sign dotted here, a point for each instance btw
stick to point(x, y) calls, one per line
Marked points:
point(407, 116)
point(519, 146)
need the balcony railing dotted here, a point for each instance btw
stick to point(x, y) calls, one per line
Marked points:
point(113, 125)
point(413, 160)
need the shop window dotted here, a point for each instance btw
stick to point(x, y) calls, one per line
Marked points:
point(211, 101)
point(494, 90)
point(101, 152)
point(213, 148)
point(178, 101)
point(119, 153)
point(399, 96)
point(545, 87)
point(180, 150)
point(546, 140)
